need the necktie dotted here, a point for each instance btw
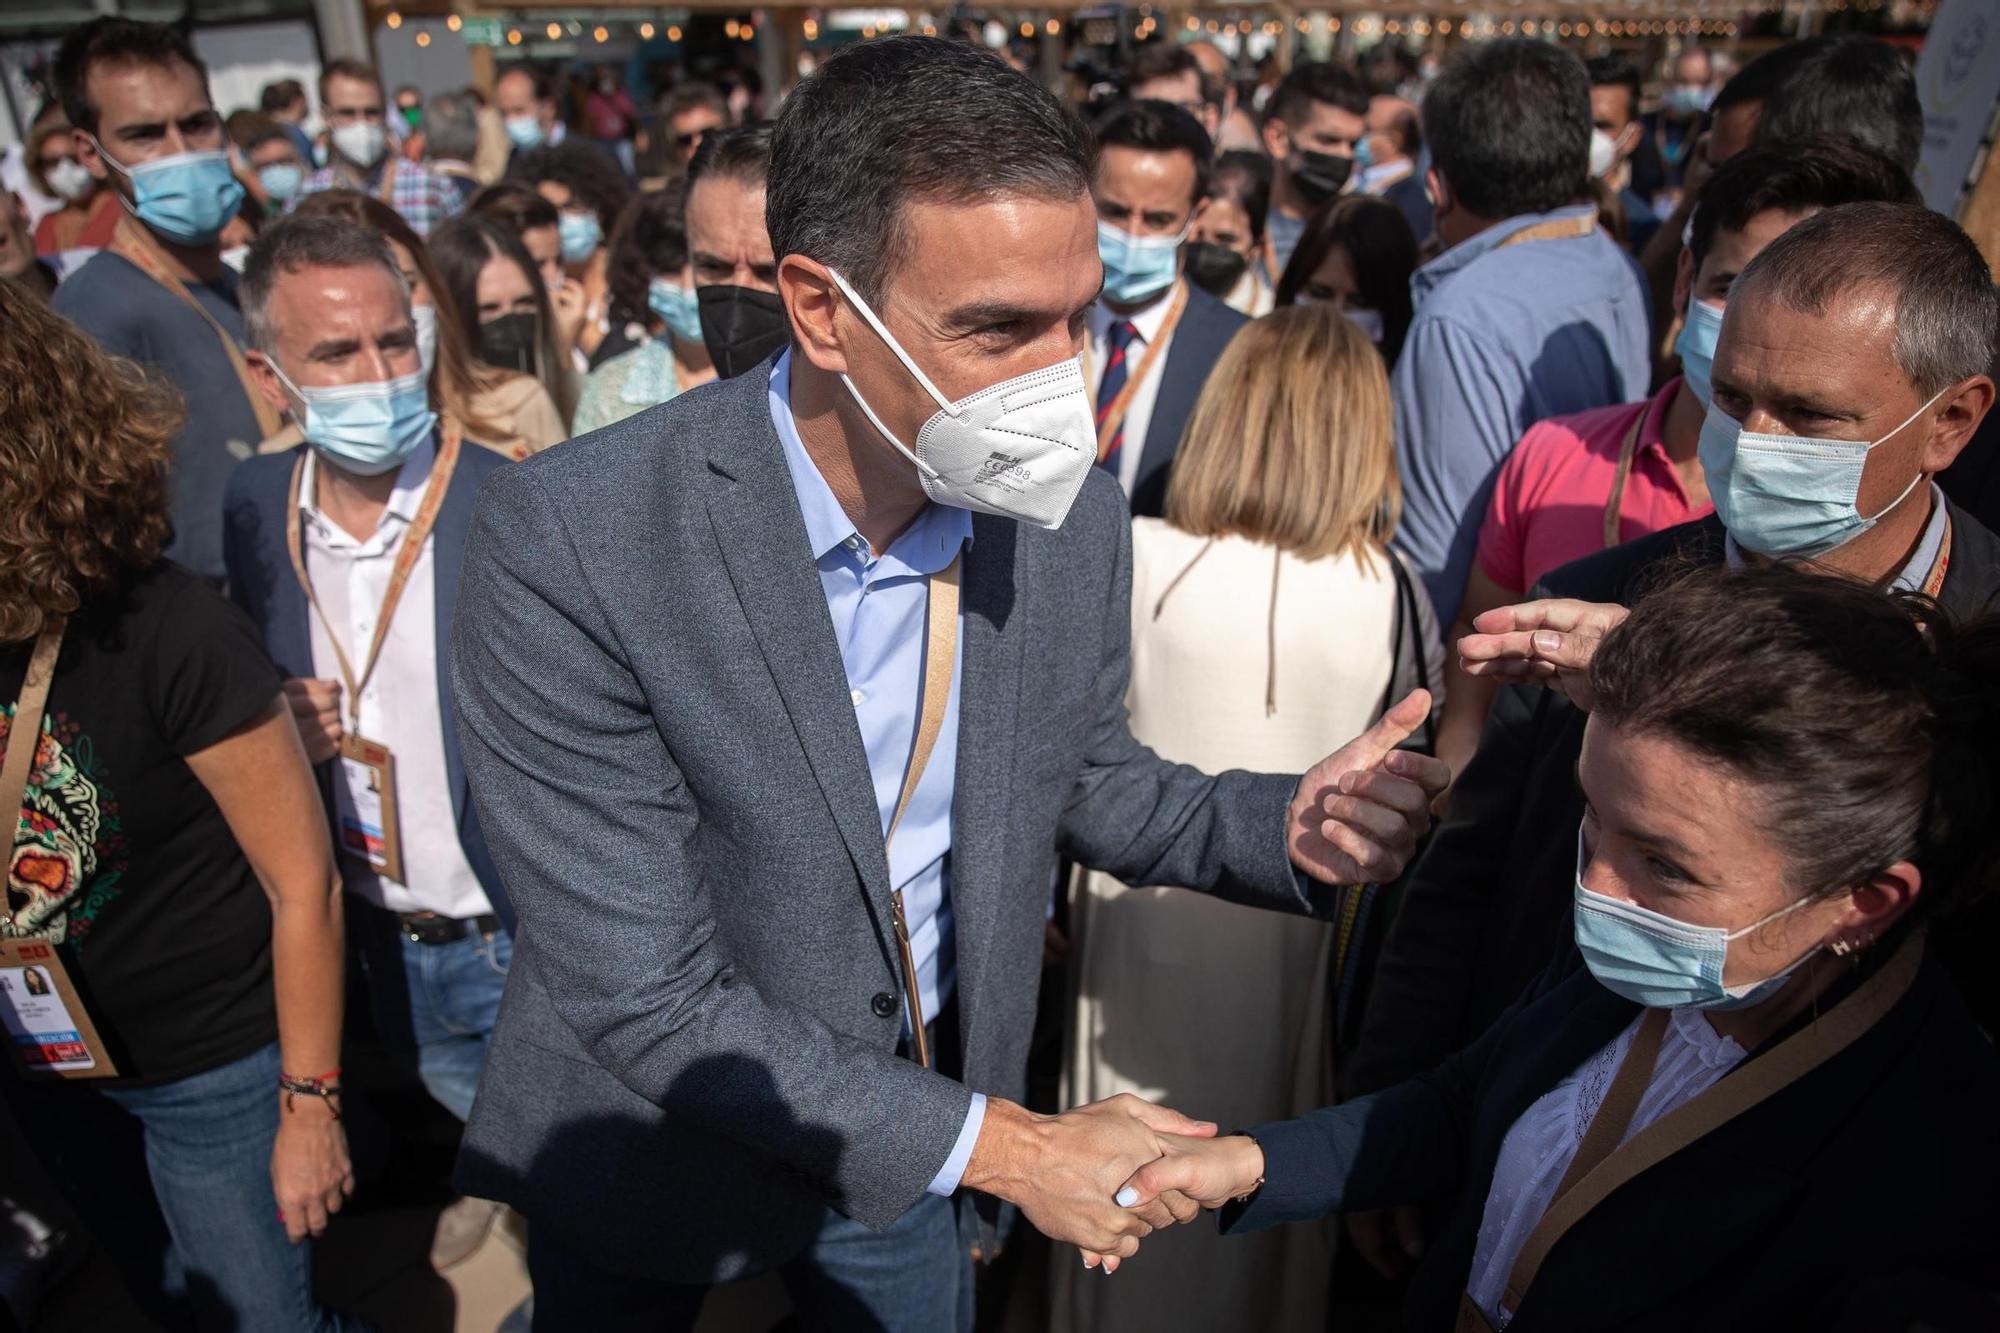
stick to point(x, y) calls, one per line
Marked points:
point(1117, 343)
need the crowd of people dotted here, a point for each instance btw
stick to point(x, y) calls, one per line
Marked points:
point(712, 645)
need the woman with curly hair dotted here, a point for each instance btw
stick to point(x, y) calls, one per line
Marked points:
point(169, 864)
point(652, 288)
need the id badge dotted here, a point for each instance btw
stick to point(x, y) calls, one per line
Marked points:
point(47, 1026)
point(365, 801)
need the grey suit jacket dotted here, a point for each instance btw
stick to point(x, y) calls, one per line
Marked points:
point(691, 1060)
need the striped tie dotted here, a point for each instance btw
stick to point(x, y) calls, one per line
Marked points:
point(1118, 342)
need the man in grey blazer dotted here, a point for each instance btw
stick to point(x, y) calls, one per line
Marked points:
point(698, 655)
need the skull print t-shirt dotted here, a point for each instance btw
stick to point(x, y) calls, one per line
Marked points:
point(120, 856)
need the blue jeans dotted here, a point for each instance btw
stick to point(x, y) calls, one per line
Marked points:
point(434, 1004)
point(916, 1277)
point(213, 1254)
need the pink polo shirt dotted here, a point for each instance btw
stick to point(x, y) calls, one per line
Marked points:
point(1548, 501)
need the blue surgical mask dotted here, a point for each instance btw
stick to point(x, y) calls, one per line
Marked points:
point(367, 429)
point(580, 234)
point(1687, 101)
point(1364, 153)
point(1136, 267)
point(1655, 960)
point(677, 307)
point(281, 180)
point(1790, 495)
point(525, 131)
point(1696, 347)
point(185, 197)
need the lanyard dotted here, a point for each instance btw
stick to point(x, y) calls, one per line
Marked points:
point(940, 652)
point(24, 735)
point(1108, 431)
point(131, 242)
point(1555, 229)
point(1934, 581)
point(408, 551)
point(1627, 451)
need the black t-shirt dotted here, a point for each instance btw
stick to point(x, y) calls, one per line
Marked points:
point(123, 858)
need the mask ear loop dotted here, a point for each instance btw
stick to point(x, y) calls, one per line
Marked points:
point(944, 404)
point(1877, 516)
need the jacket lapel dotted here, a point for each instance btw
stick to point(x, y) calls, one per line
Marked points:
point(448, 538)
point(288, 625)
point(989, 694)
point(755, 512)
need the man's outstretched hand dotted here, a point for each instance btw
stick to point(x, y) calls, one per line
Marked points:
point(1065, 1171)
point(1357, 815)
point(1548, 642)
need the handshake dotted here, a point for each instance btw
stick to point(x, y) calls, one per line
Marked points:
point(1103, 1177)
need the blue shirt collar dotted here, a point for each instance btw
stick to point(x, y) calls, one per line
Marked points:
point(1426, 279)
point(925, 547)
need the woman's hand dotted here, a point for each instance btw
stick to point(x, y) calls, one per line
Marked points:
point(310, 1173)
point(569, 306)
point(1211, 1172)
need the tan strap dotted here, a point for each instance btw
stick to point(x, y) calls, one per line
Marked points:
point(1746, 1087)
point(1621, 1100)
point(29, 707)
point(940, 655)
point(1555, 229)
point(1107, 431)
point(408, 551)
point(1628, 449)
point(134, 244)
point(1934, 581)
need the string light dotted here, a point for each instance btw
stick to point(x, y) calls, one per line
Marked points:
point(513, 36)
point(673, 34)
point(731, 28)
point(646, 31)
point(454, 22)
point(394, 21)
point(554, 30)
point(811, 28)
point(423, 39)
point(601, 33)
point(1027, 28)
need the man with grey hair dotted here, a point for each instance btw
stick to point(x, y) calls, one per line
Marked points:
point(1852, 367)
point(450, 140)
point(781, 939)
point(346, 551)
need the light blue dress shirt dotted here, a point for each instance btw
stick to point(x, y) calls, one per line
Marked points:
point(880, 604)
point(1504, 335)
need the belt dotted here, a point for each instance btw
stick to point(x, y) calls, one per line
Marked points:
point(431, 928)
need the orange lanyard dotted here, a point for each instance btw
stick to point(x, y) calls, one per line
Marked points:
point(1627, 451)
point(132, 243)
point(1934, 581)
point(1555, 229)
point(408, 551)
point(1122, 404)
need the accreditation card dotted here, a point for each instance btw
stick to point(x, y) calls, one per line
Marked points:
point(365, 800)
point(47, 1026)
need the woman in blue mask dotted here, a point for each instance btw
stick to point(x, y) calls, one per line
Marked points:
point(1748, 1096)
point(589, 193)
point(653, 307)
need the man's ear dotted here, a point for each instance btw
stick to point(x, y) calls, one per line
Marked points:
point(1954, 417)
point(1684, 281)
point(86, 153)
point(813, 301)
point(268, 385)
point(1439, 191)
point(1277, 139)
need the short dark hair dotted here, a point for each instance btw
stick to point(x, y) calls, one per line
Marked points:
point(739, 154)
point(115, 41)
point(1947, 311)
point(279, 95)
point(1406, 126)
point(540, 81)
point(1844, 83)
point(515, 206)
point(1820, 172)
point(1244, 177)
point(293, 243)
point(1330, 81)
point(585, 170)
point(1166, 60)
point(1607, 71)
point(901, 118)
point(1869, 721)
point(343, 68)
point(650, 239)
point(1159, 127)
point(1509, 127)
point(688, 96)
point(270, 131)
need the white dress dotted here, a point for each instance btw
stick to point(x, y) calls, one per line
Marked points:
point(1215, 1009)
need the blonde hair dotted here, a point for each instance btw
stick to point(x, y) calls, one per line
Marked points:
point(1292, 442)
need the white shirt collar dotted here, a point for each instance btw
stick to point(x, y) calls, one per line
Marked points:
point(411, 481)
point(1147, 321)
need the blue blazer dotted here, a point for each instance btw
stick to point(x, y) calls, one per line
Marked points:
point(1205, 328)
point(1877, 1165)
point(262, 582)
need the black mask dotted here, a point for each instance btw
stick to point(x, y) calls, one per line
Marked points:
point(1216, 269)
point(741, 326)
point(1320, 176)
point(510, 342)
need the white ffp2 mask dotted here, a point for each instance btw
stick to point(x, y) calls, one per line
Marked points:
point(1019, 449)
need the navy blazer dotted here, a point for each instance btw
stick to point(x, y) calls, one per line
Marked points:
point(1205, 328)
point(1879, 1163)
point(262, 582)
